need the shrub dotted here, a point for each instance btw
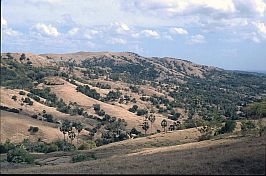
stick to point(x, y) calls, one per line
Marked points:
point(189, 123)
point(101, 112)
point(14, 97)
point(64, 146)
point(175, 116)
point(246, 126)
point(96, 107)
point(83, 157)
point(135, 131)
point(52, 148)
point(87, 145)
point(33, 129)
point(141, 112)
point(19, 155)
point(134, 108)
point(22, 93)
point(28, 101)
point(228, 127)
point(5, 147)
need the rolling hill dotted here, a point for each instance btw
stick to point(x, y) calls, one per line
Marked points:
point(118, 96)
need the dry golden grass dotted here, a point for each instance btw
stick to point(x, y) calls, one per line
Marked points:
point(6, 95)
point(15, 128)
point(231, 155)
point(68, 93)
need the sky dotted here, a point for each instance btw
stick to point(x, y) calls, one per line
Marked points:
point(229, 34)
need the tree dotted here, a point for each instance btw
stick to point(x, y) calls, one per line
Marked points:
point(64, 128)
point(145, 126)
point(206, 132)
point(164, 124)
point(71, 135)
point(151, 119)
point(79, 128)
point(22, 57)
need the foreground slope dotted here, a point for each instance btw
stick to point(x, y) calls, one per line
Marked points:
point(231, 155)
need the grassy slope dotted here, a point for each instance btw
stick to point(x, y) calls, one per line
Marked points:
point(15, 127)
point(231, 155)
point(64, 92)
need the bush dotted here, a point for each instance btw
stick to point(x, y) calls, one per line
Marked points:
point(141, 112)
point(28, 101)
point(189, 123)
point(5, 147)
point(14, 97)
point(64, 146)
point(101, 112)
point(19, 155)
point(228, 127)
point(83, 157)
point(87, 145)
point(22, 93)
point(134, 108)
point(96, 107)
point(33, 129)
point(246, 126)
point(52, 148)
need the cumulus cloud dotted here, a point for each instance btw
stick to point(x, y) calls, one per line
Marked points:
point(11, 32)
point(261, 28)
point(48, 30)
point(202, 13)
point(3, 22)
point(121, 28)
point(194, 39)
point(150, 33)
point(73, 31)
point(117, 41)
point(91, 33)
point(173, 7)
point(180, 31)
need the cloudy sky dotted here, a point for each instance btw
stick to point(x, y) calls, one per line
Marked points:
point(230, 34)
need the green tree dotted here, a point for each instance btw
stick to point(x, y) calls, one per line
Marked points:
point(71, 135)
point(152, 119)
point(145, 126)
point(79, 127)
point(164, 124)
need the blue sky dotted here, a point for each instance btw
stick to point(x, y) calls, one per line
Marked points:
point(230, 34)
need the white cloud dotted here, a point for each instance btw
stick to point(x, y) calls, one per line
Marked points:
point(73, 31)
point(11, 32)
point(89, 34)
point(261, 28)
point(250, 7)
point(121, 28)
point(253, 36)
point(172, 7)
point(48, 30)
point(197, 39)
point(117, 41)
point(3, 22)
point(180, 31)
point(150, 33)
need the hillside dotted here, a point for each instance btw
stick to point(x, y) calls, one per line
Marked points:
point(125, 110)
point(231, 155)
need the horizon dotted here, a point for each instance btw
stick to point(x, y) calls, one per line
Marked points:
point(256, 71)
point(230, 34)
